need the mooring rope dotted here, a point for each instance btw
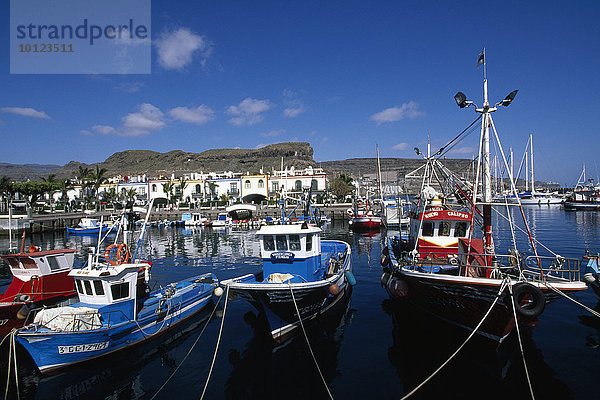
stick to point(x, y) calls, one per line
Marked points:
point(502, 287)
point(12, 361)
point(514, 310)
point(189, 351)
point(591, 311)
point(212, 364)
point(308, 343)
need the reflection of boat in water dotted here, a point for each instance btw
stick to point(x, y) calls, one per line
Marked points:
point(122, 375)
point(265, 370)
point(422, 342)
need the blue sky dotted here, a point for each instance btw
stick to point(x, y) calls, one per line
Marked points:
point(341, 75)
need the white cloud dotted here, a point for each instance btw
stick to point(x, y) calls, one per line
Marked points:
point(176, 48)
point(149, 118)
point(272, 133)
point(392, 114)
point(293, 112)
point(293, 106)
point(129, 87)
point(25, 112)
point(400, 146)
point(104, 130)
point(199, 115)
point(462, 151)
point(248, 112)
point(261, 145)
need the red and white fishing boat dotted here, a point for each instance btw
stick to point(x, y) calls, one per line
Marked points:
point(444, 269)
point(362, 218)
point(40, 278)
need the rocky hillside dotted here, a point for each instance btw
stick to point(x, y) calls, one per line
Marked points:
point(152, 163)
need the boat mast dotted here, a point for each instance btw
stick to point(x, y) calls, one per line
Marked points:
point(379, 175)
point(487, 176)
point(531, 150)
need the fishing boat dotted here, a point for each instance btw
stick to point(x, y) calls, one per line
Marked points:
point(40, 278)
point(361, 217)
point(585, 196)
point(300, 274)
point(223, 220)
point(90, 226)
point(301, 278)
point(116, 310)
point(470, 284)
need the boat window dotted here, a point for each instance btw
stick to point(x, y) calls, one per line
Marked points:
point(28, 263)
point(295, 242)
point(460, 229)
point(79, 287)
point(281, 242)
point(120, 290)
point(444, 229)
point(88, 288)
point(269, 243)
point(12, 261)
point(427, 228)
point(98, 288)
point(53, 262)
point(309, 242)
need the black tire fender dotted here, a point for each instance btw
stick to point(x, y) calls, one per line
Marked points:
point(528, 300)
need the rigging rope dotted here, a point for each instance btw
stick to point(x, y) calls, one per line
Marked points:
point(591, 311)
point(189, 351)
point(443, 150)
point(308, 343)
point(502, 287)
point(514, 310)
point(212, 364)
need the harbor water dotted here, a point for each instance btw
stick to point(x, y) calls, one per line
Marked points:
point(367, 348)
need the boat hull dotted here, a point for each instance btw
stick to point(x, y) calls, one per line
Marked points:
point(277, 302)
point(56, 350)
point(463, 301)
point(365, 223)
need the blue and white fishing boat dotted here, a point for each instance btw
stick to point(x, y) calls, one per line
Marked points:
point(115, 310)
point(90, 226)
point(301, 274)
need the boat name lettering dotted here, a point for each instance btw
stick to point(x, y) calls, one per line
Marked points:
point(282, 257)
point(431, 215)
point(80, 348)
point(458, 214)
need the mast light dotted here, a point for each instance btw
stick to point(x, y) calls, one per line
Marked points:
point(508, 99)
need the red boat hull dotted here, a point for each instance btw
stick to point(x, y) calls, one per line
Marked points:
point(365, 223)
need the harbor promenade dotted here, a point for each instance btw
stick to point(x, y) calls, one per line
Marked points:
point(59, 221)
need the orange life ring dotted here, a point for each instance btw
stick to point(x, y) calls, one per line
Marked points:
point(121, 257)
point(33, 249)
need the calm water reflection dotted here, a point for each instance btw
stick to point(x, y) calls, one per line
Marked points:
point(368, 348)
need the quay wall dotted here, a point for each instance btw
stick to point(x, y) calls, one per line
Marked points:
point(59, 221)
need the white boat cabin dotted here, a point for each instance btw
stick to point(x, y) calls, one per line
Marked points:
point(291, 249)
point(109, 286)
point(39, 263)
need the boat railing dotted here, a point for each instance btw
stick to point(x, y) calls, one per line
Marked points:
point(542, 267)
point(537, 268)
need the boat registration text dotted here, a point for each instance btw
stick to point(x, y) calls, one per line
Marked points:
point(80, 348)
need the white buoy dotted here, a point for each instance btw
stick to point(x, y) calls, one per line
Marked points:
point(219, 292)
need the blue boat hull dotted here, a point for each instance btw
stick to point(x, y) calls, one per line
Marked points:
point(53, 350)
point(86, 231)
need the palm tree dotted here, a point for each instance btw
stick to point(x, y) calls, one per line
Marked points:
point(6, 190)
point(65, 186)
point(168, 189)
point(98, 177)
point(83, 174)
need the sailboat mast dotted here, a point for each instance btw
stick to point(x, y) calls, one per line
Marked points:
point(379, 175)
point(532, 176)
